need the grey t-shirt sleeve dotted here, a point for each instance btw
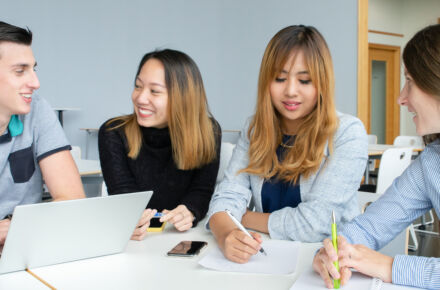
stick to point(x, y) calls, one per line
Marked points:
point(49, 136)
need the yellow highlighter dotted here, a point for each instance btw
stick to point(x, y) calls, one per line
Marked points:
point(336, 282)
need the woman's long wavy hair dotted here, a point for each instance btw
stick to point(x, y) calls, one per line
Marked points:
point(317, 128)
point(191, 129)
point(421, 57)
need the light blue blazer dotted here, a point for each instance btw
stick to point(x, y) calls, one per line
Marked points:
point(333, 187)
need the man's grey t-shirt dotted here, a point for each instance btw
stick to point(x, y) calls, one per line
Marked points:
point(20, 175)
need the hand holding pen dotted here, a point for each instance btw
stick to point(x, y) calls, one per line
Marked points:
point(242, 228)
point(329, 263)
point(358, 257)
point(237, 245)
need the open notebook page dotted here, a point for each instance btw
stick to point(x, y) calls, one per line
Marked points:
point(281, 259)
point(310, 280)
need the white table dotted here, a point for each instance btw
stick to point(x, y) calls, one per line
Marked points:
point(144, 265)
point(378, 149)
point(20, 280)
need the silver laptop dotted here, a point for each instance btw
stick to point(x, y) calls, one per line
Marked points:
point(57, 232)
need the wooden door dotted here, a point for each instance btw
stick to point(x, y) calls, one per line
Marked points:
point(383, 112)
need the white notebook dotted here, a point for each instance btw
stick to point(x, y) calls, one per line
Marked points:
point(310, 280)
point(281, 259)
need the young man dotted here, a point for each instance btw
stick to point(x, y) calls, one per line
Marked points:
point(33, 145)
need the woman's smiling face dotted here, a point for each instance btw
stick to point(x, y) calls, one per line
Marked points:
point(424, 107)
point(150, 95)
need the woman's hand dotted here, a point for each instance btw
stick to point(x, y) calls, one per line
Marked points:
point(239, 247)
point(365, 260)
point(4, 228)
point(235, 245)
point(181, 217)
point(323, 264)
point(358, 257)
point(141, 228)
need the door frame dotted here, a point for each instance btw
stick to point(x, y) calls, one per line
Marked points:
point(362, 71)
point(391, 55)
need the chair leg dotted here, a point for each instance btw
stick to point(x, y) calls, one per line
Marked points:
point(431, 215)
point(414, 238)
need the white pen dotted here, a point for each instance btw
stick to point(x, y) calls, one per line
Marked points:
point(241, 227)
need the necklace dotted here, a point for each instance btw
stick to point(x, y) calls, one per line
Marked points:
point(288, 141)
point(286, 145)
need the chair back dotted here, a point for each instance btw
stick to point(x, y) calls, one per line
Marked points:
point(372, 139)
point(409, 141)
point(76, 152)
point(225, 156)
point(393, 163)
point(104, 189)
point(230, 136)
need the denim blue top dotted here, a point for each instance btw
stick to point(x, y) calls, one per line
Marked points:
point(276, 193)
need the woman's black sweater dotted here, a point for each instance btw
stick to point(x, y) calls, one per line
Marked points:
point(154, 169)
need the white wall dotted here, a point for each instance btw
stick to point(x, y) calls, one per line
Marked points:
point(405, 17)
point(385, 15)
point(88, 51)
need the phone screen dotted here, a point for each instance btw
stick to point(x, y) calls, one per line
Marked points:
point(187, 248)
point(155, 223)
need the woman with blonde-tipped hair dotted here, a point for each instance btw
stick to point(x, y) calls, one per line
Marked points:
point(170, 143)
point(297, 159)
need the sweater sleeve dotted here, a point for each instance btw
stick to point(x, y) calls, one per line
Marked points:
point(234, 191)
point(203, 182)
point(334, 188)
point(114, 161)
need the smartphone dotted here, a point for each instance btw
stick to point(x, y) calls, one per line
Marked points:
point(187, 248)
point(156, 225)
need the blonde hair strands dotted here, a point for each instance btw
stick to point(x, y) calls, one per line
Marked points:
point(318, 128)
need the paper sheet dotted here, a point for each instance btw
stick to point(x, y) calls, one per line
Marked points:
point(310, 280)
point(281, 259)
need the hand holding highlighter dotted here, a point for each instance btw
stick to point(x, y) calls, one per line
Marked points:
point(336, 282)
